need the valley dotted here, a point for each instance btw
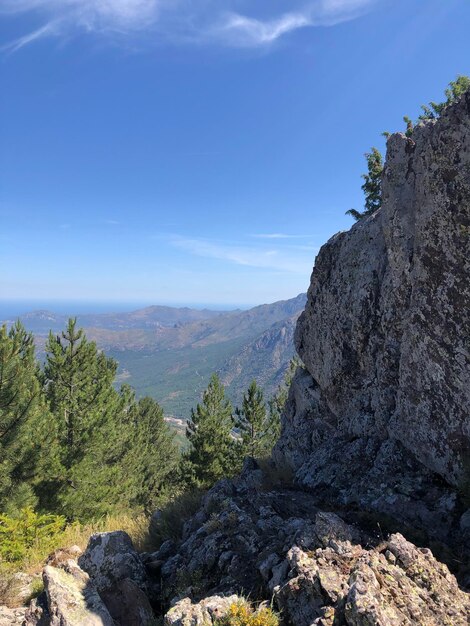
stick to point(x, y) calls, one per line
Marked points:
point(170, 353)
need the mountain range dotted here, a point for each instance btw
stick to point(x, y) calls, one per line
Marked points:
point(169, 353)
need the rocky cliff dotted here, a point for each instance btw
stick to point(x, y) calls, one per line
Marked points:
point(382, 412)
point(375, 442)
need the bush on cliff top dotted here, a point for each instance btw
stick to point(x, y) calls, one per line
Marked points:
point(453, 92)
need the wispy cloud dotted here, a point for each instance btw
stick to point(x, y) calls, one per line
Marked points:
point(240, 30)
point(47, 30)
point(283, 260)
point(277, 236)
point(197, 21)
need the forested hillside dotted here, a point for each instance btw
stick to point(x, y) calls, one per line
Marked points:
point(170, 353)
point(72, 444)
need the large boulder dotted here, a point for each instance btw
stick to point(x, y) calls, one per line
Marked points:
point(385, 335)
point(110, 558)
point(72, 599)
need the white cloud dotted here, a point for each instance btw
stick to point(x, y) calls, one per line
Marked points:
point(277, 236)
point(47, 30)
point(199, 21)
point(271, 259)
point(245, 31)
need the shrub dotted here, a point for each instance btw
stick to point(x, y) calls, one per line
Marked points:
point(22, 533)
point(456, 88)
point(26, 542)
point(242, 614)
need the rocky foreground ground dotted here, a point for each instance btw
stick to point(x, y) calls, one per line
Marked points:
point(251, 539)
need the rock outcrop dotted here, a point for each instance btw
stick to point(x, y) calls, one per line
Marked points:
point(272, 542)
point(380, 418)
point(107, 587)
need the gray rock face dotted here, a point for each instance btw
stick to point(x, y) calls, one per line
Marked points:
point(379, 421)
point(377, 425)
point(11, 617)
point(128, 605)
point(72, 600)
point(110, 558)
point(385, 334)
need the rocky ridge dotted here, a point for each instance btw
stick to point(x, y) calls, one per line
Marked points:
point(382, 410)
point(374, 445)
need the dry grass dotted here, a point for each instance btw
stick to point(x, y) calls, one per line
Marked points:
point(242, 614)
point(73, 534)
point(78, 534)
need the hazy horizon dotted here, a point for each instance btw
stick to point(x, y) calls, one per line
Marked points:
point(17, 307)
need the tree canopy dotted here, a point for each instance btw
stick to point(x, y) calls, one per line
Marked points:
point(213, 451)
point(372, 186)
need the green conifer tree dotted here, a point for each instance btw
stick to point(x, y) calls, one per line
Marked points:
point(278, 401)
point(253, 423)
point(90, 420)
point(153, 457)
point(372, 186)
point(213, 452)
point(409, 125)
point(23, 419)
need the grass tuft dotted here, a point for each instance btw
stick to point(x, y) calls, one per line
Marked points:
point(243, 614)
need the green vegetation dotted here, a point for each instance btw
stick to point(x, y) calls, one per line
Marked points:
point(453, 92)
point(372, 186)
point(37, 540)
point(279, 399)
point(174, 376)
point(214, 452)
point(409, 125)
point(21, 533)
point(169, 521)
point(242, 614)
point(79, 455)
point(258, 428)
point(23, 413)
point(70, 443)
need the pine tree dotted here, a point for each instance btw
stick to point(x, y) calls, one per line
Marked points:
point(23, 419)
point(213, 451)
point(253, 423)
point(372, 186)
point(152, 458)
point(90, 420)
point(278, 401)
point(409, 125)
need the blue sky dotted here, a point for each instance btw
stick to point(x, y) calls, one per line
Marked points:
point(199, 151)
